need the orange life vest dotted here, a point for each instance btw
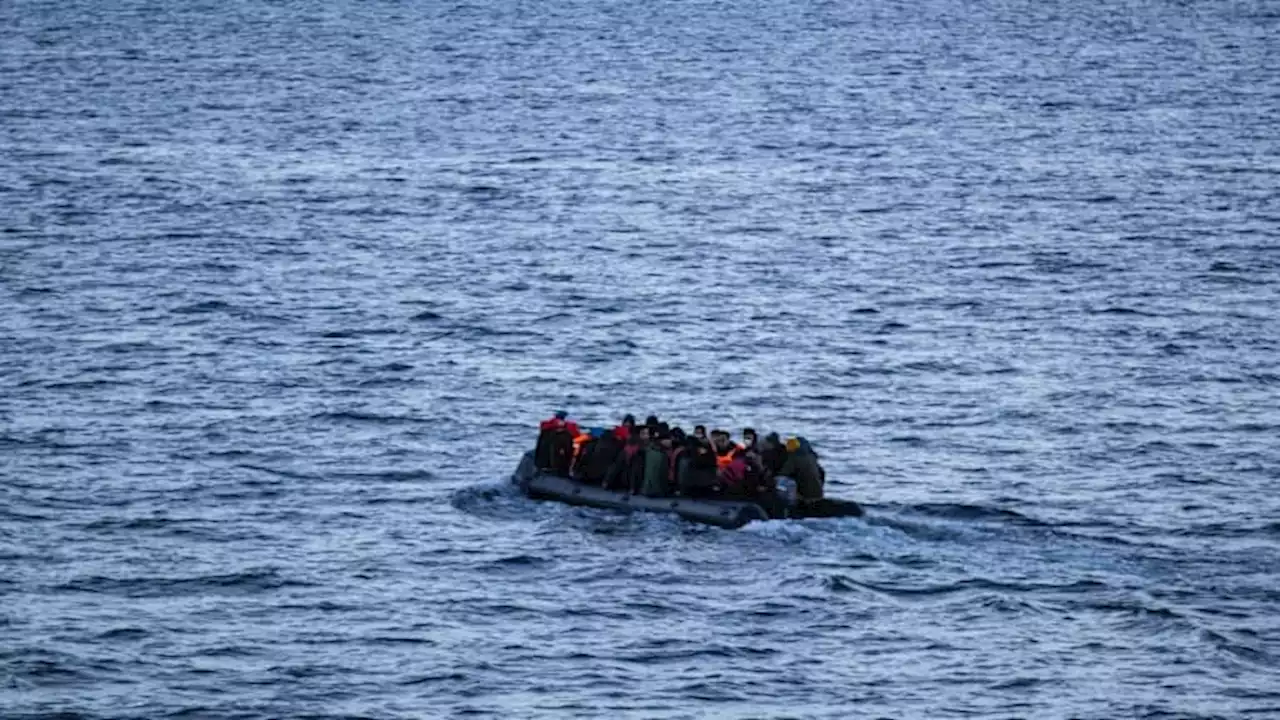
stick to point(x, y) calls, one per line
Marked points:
point(724, 458)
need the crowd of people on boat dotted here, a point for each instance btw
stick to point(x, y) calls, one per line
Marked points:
point(657, 459)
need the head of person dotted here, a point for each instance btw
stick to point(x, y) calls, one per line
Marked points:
point(772, 441)
point(700, 432)
point(651, 421)
point(749, 437)
point(642, 432)
point(677, 435)
point(719, 439)
point(562, 414)
point(629, 421)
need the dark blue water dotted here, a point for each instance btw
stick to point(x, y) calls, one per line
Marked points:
point(286, 287)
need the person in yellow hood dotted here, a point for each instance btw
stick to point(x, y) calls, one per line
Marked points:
point(801, 464)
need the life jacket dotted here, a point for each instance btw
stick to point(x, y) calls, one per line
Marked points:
point(580, 439)
point(723, 458)
point(582, 452)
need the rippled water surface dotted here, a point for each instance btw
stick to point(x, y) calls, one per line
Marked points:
point(287, 285)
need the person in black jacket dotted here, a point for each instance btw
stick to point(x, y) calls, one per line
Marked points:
point(597, 457)
point(772, 453)
point(626, 473)
point(697, 477)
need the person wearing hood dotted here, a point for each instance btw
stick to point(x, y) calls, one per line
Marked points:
point(773, 453)
point(555, 447)
point(657, 466)
point(801, 464)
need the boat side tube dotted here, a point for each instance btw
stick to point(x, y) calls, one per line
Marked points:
point(723, 513)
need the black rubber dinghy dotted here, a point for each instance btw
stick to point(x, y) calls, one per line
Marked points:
point(730, 514)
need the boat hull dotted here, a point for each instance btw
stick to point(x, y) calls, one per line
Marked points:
point(730, 514)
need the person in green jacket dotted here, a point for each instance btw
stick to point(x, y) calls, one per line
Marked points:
point(801, 464)
point(657, 464)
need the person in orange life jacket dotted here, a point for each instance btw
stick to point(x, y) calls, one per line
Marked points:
point(626, 474)
point(726, 450)
point(731, 466)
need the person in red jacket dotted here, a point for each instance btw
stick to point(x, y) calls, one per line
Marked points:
point(554, 451)
point(559, 422)
point(624, 431)
point(733, 477)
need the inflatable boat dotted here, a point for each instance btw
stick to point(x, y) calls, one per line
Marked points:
point(730, 514)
